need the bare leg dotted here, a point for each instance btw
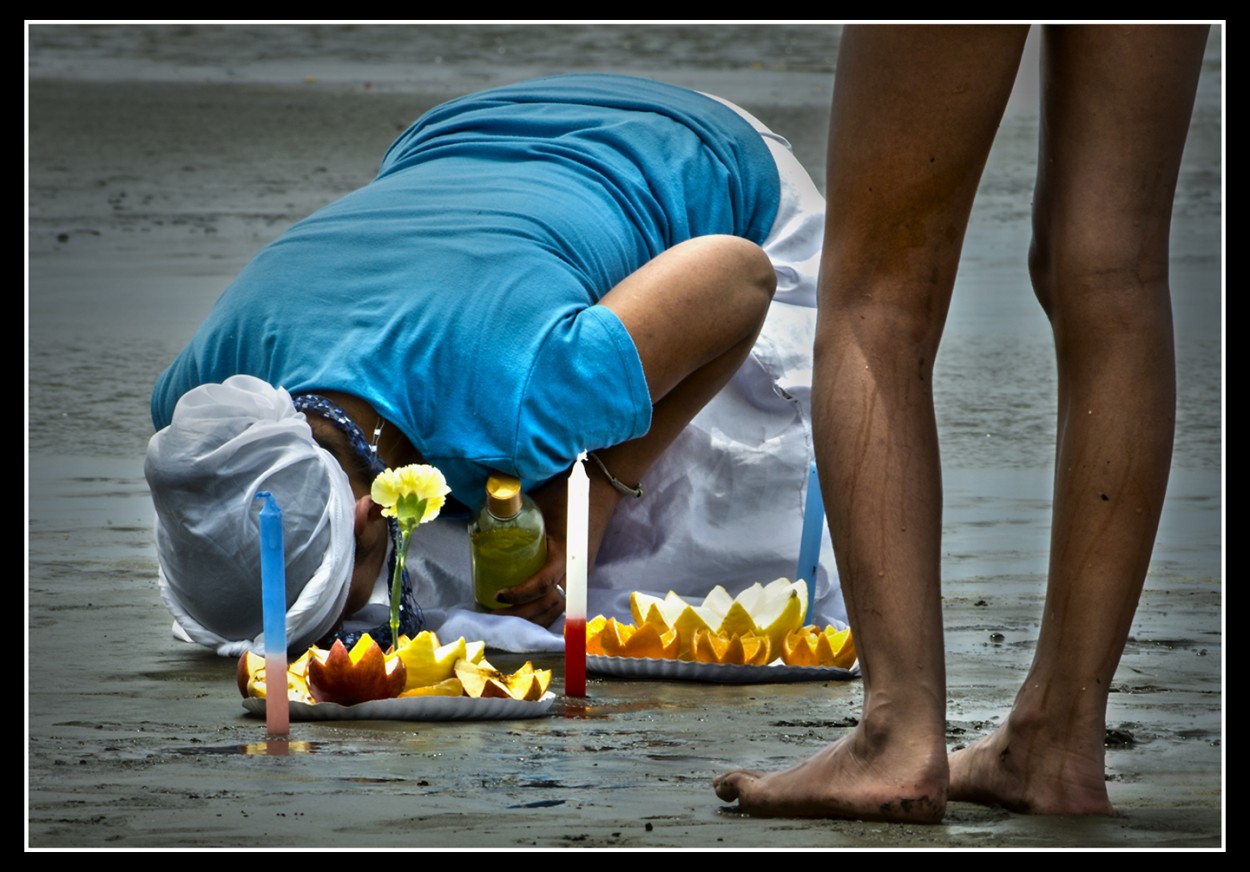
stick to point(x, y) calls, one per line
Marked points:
point(914, 113)
point(1115, 113)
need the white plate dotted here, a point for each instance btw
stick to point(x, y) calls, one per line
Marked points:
point(415, 708)
point(683, 670)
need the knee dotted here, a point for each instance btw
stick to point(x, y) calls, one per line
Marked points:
point(881, 313)
point(1098, 275)
point(758, 278)
point(750, 291)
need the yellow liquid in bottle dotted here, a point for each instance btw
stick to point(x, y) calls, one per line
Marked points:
point(504, 557)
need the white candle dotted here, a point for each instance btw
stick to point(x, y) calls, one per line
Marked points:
point(575, 553)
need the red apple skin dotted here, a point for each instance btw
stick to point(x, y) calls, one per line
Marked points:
point(337, 679)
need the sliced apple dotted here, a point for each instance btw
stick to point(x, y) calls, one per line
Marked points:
point(528, 683)
point(475, 652)
point(450, 687)
point(484, 681)
point(250, 676)
point(362, 674)
point(250, 664)
point(473, 676)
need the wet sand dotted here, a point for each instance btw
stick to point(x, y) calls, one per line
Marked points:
point(148, 195)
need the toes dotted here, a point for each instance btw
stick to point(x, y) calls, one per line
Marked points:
point(727, 784)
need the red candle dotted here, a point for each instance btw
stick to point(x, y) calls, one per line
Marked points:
point(575, 657)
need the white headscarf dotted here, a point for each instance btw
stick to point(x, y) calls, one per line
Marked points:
point(227, 442)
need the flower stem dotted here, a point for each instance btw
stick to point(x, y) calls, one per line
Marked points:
point(407, 524)
point(397, 584)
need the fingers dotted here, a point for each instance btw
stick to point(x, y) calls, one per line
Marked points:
point(544, 611)
point(540, 598)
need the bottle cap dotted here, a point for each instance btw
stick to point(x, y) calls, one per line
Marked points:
point(503, 496)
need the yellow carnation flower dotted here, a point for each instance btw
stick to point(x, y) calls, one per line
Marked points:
point(414, 493)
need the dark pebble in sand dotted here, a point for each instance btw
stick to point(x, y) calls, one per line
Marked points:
point(1119, 739)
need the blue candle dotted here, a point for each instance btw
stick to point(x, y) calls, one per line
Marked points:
point(813, 527)
point(273, 600)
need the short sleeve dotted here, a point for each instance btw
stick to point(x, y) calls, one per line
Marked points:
point(586, 391)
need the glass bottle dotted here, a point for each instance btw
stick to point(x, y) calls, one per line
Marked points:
point(507, 542)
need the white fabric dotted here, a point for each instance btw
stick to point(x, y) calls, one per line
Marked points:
point(724, 504)
point(226, 443)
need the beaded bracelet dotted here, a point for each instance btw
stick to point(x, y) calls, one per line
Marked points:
point(635, 492)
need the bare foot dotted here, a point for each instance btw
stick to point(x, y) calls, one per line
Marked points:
point(1030, 775)
point(843, 782)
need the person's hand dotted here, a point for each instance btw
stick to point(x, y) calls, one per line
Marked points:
point(540, 598)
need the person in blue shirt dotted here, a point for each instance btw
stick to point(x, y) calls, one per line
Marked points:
point(564, 265)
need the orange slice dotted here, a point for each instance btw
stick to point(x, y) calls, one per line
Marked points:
point(614, 637)
point(594, 629)
point(709, 647)
point(649, 642)
point(812, 646)
point(840, 645)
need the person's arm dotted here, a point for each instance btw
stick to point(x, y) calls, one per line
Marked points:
point(693, 314)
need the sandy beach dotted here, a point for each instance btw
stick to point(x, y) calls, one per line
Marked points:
point(162, 158)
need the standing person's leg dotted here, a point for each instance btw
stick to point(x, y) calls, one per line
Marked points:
point(914, 113)
point(1116, 106)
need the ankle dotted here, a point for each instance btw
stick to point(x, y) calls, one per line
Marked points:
point(1061, 714)
point(891, 732)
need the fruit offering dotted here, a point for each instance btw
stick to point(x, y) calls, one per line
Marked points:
point(429, 664)
point(361, 675)
point(812, 646)
point(251, 677)
point(759, 626)
point(483, 680)
point(606, 636)
point(419, 667)
point(771, 610)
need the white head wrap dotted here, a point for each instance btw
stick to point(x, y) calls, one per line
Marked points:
point(227, 442)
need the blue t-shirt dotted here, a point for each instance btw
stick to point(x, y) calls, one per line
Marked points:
point(456, 291)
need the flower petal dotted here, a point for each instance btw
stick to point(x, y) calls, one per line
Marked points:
point(414, 493)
